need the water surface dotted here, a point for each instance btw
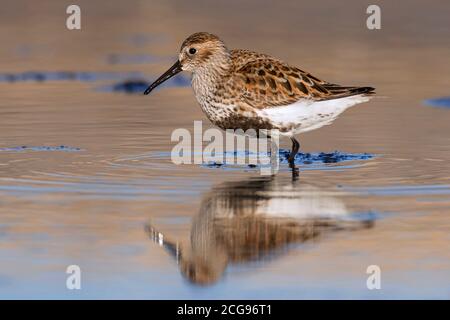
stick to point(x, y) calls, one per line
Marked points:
point(86, 176)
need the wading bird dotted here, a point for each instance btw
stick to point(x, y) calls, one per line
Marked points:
point(241, 89)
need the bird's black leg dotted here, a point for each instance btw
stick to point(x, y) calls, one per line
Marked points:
point(294, 151)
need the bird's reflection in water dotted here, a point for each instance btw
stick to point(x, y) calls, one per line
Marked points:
point(254, 220)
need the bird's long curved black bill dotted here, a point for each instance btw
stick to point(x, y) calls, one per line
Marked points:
point(176, 68)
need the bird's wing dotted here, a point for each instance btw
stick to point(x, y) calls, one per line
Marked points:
point(267, 82)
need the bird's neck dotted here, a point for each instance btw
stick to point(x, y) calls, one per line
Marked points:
point(209, 77)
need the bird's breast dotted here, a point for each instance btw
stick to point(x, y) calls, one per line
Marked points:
point(223, 107)
point(211, 98)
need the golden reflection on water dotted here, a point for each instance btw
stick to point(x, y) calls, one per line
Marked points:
point(254, 220)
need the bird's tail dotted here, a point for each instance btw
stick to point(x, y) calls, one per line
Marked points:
point(339, 91)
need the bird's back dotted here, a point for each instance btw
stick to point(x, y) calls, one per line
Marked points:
point(269, 82)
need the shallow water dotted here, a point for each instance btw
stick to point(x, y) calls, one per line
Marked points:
point(86, 176)
point(439, 102)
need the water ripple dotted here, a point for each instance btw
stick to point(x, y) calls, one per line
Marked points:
point(398, 190)
point(308, 161)
point(40, 148)
point(42, 76)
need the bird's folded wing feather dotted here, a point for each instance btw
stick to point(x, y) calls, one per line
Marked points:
point(267, 82)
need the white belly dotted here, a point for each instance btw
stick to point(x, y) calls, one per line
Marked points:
point(307, 115)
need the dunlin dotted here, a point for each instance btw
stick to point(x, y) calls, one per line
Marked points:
point(241, 89)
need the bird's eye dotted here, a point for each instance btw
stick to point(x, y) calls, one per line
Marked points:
point(192, 50)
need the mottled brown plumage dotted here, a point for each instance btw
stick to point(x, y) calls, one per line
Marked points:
point(268, 82)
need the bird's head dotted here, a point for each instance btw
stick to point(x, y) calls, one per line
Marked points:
point(201, 51)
